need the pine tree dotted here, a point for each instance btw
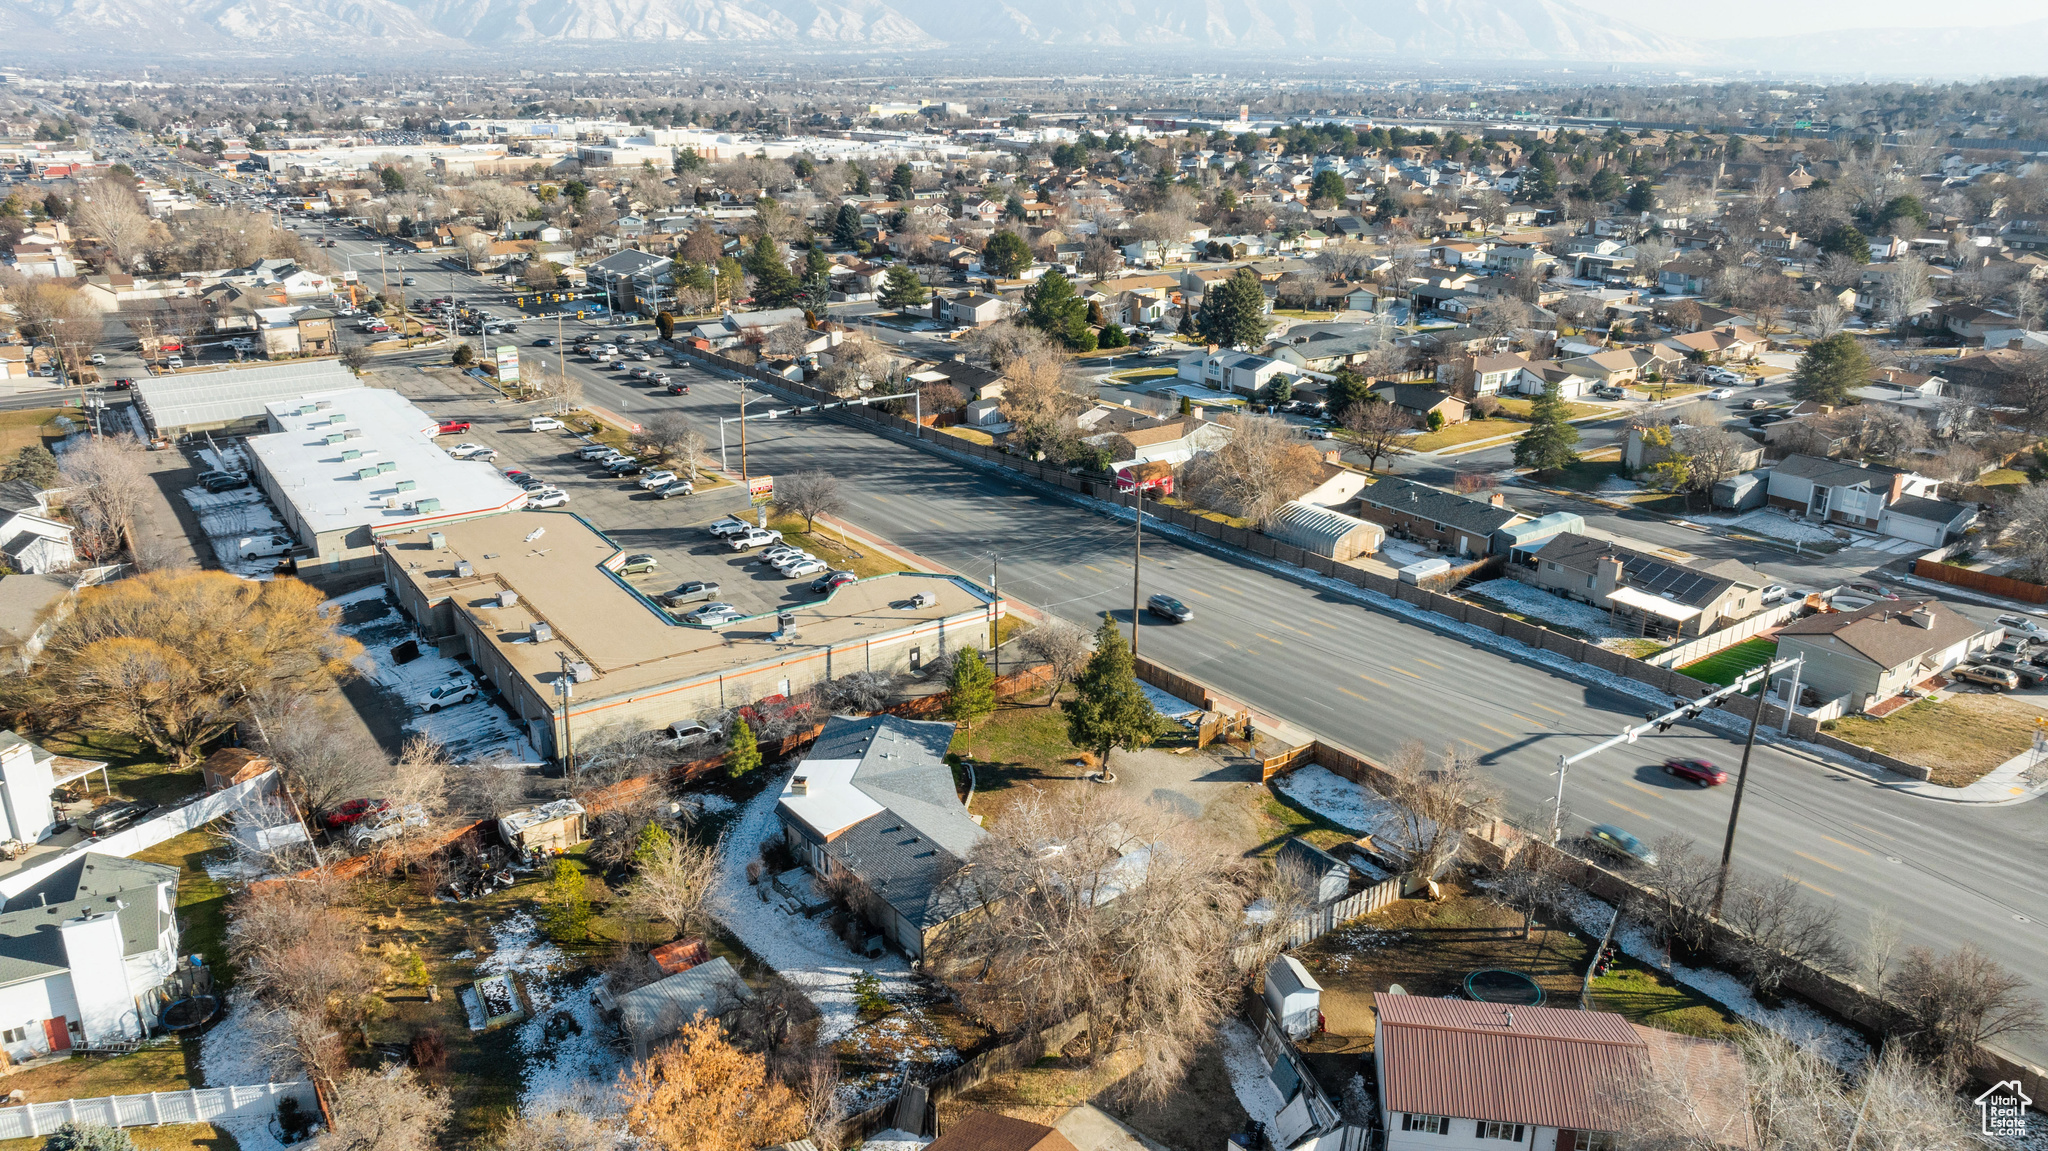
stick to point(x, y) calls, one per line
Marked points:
point(903, 177)
point(1006, 255)
point(971, 691)
point(1234, 312)
point(654, 842)
point(566, 906)
point(862, 184)
point(1109, 709)
point(1186, 327)
point(742, 755)
point(902, 289)
point(1548, 444)
point(1348, 387)
point(846, 225)
point(775, 286)
point(817, 264)
point(1051, 306)
point(1829, 369)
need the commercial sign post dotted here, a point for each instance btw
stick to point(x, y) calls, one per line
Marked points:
point(761, 493)
point(508, 364)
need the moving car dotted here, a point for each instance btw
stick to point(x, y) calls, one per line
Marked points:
point(1755, 402)
point(688, 593)
point(679, 389)
point(1169, 609)
point(636, 564)
point(1613, 841)
point(1696, 770)
point(713, 615)
point(409, 281)
point(1995, 678)
point(544, 342)
point(97, 360)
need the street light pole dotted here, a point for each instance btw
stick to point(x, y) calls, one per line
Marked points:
point(563, 685)
point(1137, 557)
point(995, 623)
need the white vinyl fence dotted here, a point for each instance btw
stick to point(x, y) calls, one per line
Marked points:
point(147, 834)
point(203, 1105)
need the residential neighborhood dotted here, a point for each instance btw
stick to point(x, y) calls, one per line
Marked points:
point(783, 598)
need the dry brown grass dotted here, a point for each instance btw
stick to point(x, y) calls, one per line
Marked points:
point(1958, 738)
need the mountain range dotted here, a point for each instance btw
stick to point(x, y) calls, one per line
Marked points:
point(1500, 31)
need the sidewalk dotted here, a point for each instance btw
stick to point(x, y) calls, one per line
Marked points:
point(2017, 780)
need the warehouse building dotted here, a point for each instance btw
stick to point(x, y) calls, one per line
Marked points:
point(233, 399)
point(346, 467)
point(533, 598)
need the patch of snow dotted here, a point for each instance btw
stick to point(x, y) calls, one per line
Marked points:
point(802, 950)
point(226, 517)
point(1342, 802)
point(1539, 604)
point(251, 1133)
point(1795, 1021)
point(1171, 706)
point(710, 804)
point(1247, 1068)
point(1774, 525)
point(1618, 484)
point(894, 1140)
point(565, 1050)
point(229, 1053)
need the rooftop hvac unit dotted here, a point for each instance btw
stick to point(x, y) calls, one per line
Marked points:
point(386, 466)
point(335, 437)
point(391, 503)
point(351, 454)
point(463, 568)
point(582, 672)
point(437, 541)
point(322, 405)
point(336, 418)
point(508, 598)
point(428, 505)
point(305, 409)
point(407, 485)
point(352, 433)
point(543, 632)
point(369, 473)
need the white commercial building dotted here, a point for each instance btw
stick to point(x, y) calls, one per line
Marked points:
point(344, 468)
point(203, 401)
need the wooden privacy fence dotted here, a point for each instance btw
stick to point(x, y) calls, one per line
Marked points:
point(202, 1105)
point(1011, 1056)
point(1318, 922)
point(1981, 581)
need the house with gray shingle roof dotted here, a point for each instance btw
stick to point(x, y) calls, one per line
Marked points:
point(874, 805)
point(85, 953)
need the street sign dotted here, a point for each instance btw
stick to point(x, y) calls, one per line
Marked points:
point(508, 364)
point(761, 490)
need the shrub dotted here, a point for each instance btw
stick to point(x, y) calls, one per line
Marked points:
point(88, 1137)
point(867, 994)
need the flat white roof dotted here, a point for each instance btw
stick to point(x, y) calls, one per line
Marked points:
point(1655, 605)
point(367, 456)
point(240, 393)
point(831, 802)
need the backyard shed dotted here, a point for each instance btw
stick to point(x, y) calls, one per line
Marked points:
point(1324, 532)
point(654, 1013)
point(550, 828)
point(1743, 493)
point(1294, 996)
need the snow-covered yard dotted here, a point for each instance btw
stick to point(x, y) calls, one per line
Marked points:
point(1341, 801)
point(567, 1058)
point(1538, 604)
point(474, 732)
point(1247, 1069)
point(1774, 525)
point(227, 518)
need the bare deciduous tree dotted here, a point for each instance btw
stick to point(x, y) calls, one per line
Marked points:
point(1377, 429)
point(677, 884)
point(371, 1111)
point(111, 212)
point(1438, 799)
point(670, 438)
point(1776, 931)
point(1677, 900)
point(810, 493)
point(564, 1130)
point(104, 489)
point(1263, 465)
point(1878, 947)
point(1062, 647)
point(1960, 1000)
point(1825, 320)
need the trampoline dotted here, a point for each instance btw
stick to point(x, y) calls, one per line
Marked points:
point(189, 1012)
point(1495, 985)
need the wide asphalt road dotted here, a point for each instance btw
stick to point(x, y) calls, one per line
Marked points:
point(1374, 680)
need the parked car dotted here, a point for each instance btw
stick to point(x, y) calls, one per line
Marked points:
point(544, 424)
point(225, 482)
point(688, 593)
point(729, 526)
point(388, 824)
point(1865, 587)
point(713, 615)
point(1774, 593)
point(597, 451)
point(832, 580)
point(2021, 625)
point(637, 564)
point(2030, 676)
point(264, 547)
point(1695, 770)
point(97, 360)
point(653, 480)
point(692, 730)
point(1169, 609)
point(1613, 841)
point(809, 567)
point(789, 559)
point(447, 695)
point(349, 812)
point(625, 466)
point(531, 483)
point(753, 538)
point(2004, 659)
point(1721, 394)
point(547, 498)
point(452, 427)
point(111, 817)
point(1995, 678)
point(464, 451)
point(1764, 419)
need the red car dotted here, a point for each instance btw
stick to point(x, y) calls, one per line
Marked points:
point(452, 427)
point(1697, 770)
point(351, 812)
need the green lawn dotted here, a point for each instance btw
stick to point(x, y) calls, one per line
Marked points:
point(1725, 665)
point(1471, 431)
point(202, 899)
point(1145, 374)
point(1517, 406)
point(132, 770)
point(1587, 475)
point(2000, 477)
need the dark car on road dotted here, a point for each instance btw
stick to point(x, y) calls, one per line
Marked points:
point(544, 342)
point(679, 389)
point(1613, 841)
point(1169, 609)
point(1696, 771)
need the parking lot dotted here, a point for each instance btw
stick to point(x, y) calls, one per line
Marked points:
point(672, 531)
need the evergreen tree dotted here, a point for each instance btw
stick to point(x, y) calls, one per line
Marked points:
point(846, 226)
point(566, 906)
point(1234, 312)
point(1109, 710)
point(817, 264)
point(654, 842)
point(1642, 197)
point(1829, 369)
point(1328, 185)
point(1548, 444)
point(903, 177)
point(862, 184)
point(1006, 255)
point(88, 1137)
point(971, 691)
point(1348, 387)
point(1186, 327)
point(775, 286)
point(33, 464)
point(1844, 240)
point(1114, 336)
point(1052, 307)
point(742, 755)
point(902, 289)
point(1605, 185)
point(1013, 208)
point(1542, 175)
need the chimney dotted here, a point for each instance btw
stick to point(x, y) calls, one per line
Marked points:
point(801, 785)
point(2014, 344)
point(1495, 498)
point(1607, 574)
point(1334, 456)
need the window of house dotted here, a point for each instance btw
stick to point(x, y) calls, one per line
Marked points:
point(1593, 1141)
point(14, 1035)
point(1512, 1132)
point(1427, 1124)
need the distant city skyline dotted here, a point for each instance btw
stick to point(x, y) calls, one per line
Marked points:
point(1740, 19)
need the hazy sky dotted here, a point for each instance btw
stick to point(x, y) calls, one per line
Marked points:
point(1732, 18)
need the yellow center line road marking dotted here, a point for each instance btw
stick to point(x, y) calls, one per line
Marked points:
point(1550, 709)
point(936, 523)
point(1469, 743)
point(1093, 568)
point(1497, 731)
point(1200, 592)
point(1822, 862)
point(1850, 846)
point(1406, 672)
point(1644, 790)
point(1370, 679)
point(1268, 638)
point(1426, 663)
point(1228, 588)
point(1323, 623)
point(1630, 810)
point(1354, 695)
point(1526, 719)
point(1810, 887)
point(1065, 576)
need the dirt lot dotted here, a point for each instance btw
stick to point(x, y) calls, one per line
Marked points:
point(1428, 948)
point(1194, 1118)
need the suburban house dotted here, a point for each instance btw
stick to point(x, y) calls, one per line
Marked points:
point(1720, 345)
point(1649, 444)
point(873, 804)
point(1874, 653)
point(1453, 523)
point(973, 309)
point(28, 774)
point(1841, 491)
point(85, 953)
point(1173, 442)
point(1224, 370)
point(36, 544)
point(1459, 1074)
point(1490, 375)
point(1660, 592)
point(1419, 400)
point(1537, 377)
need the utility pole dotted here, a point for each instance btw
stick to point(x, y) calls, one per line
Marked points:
point(563, 686)
point(995, 623)
point(1137, 556)
point(1742, 784)
point(743, 430)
